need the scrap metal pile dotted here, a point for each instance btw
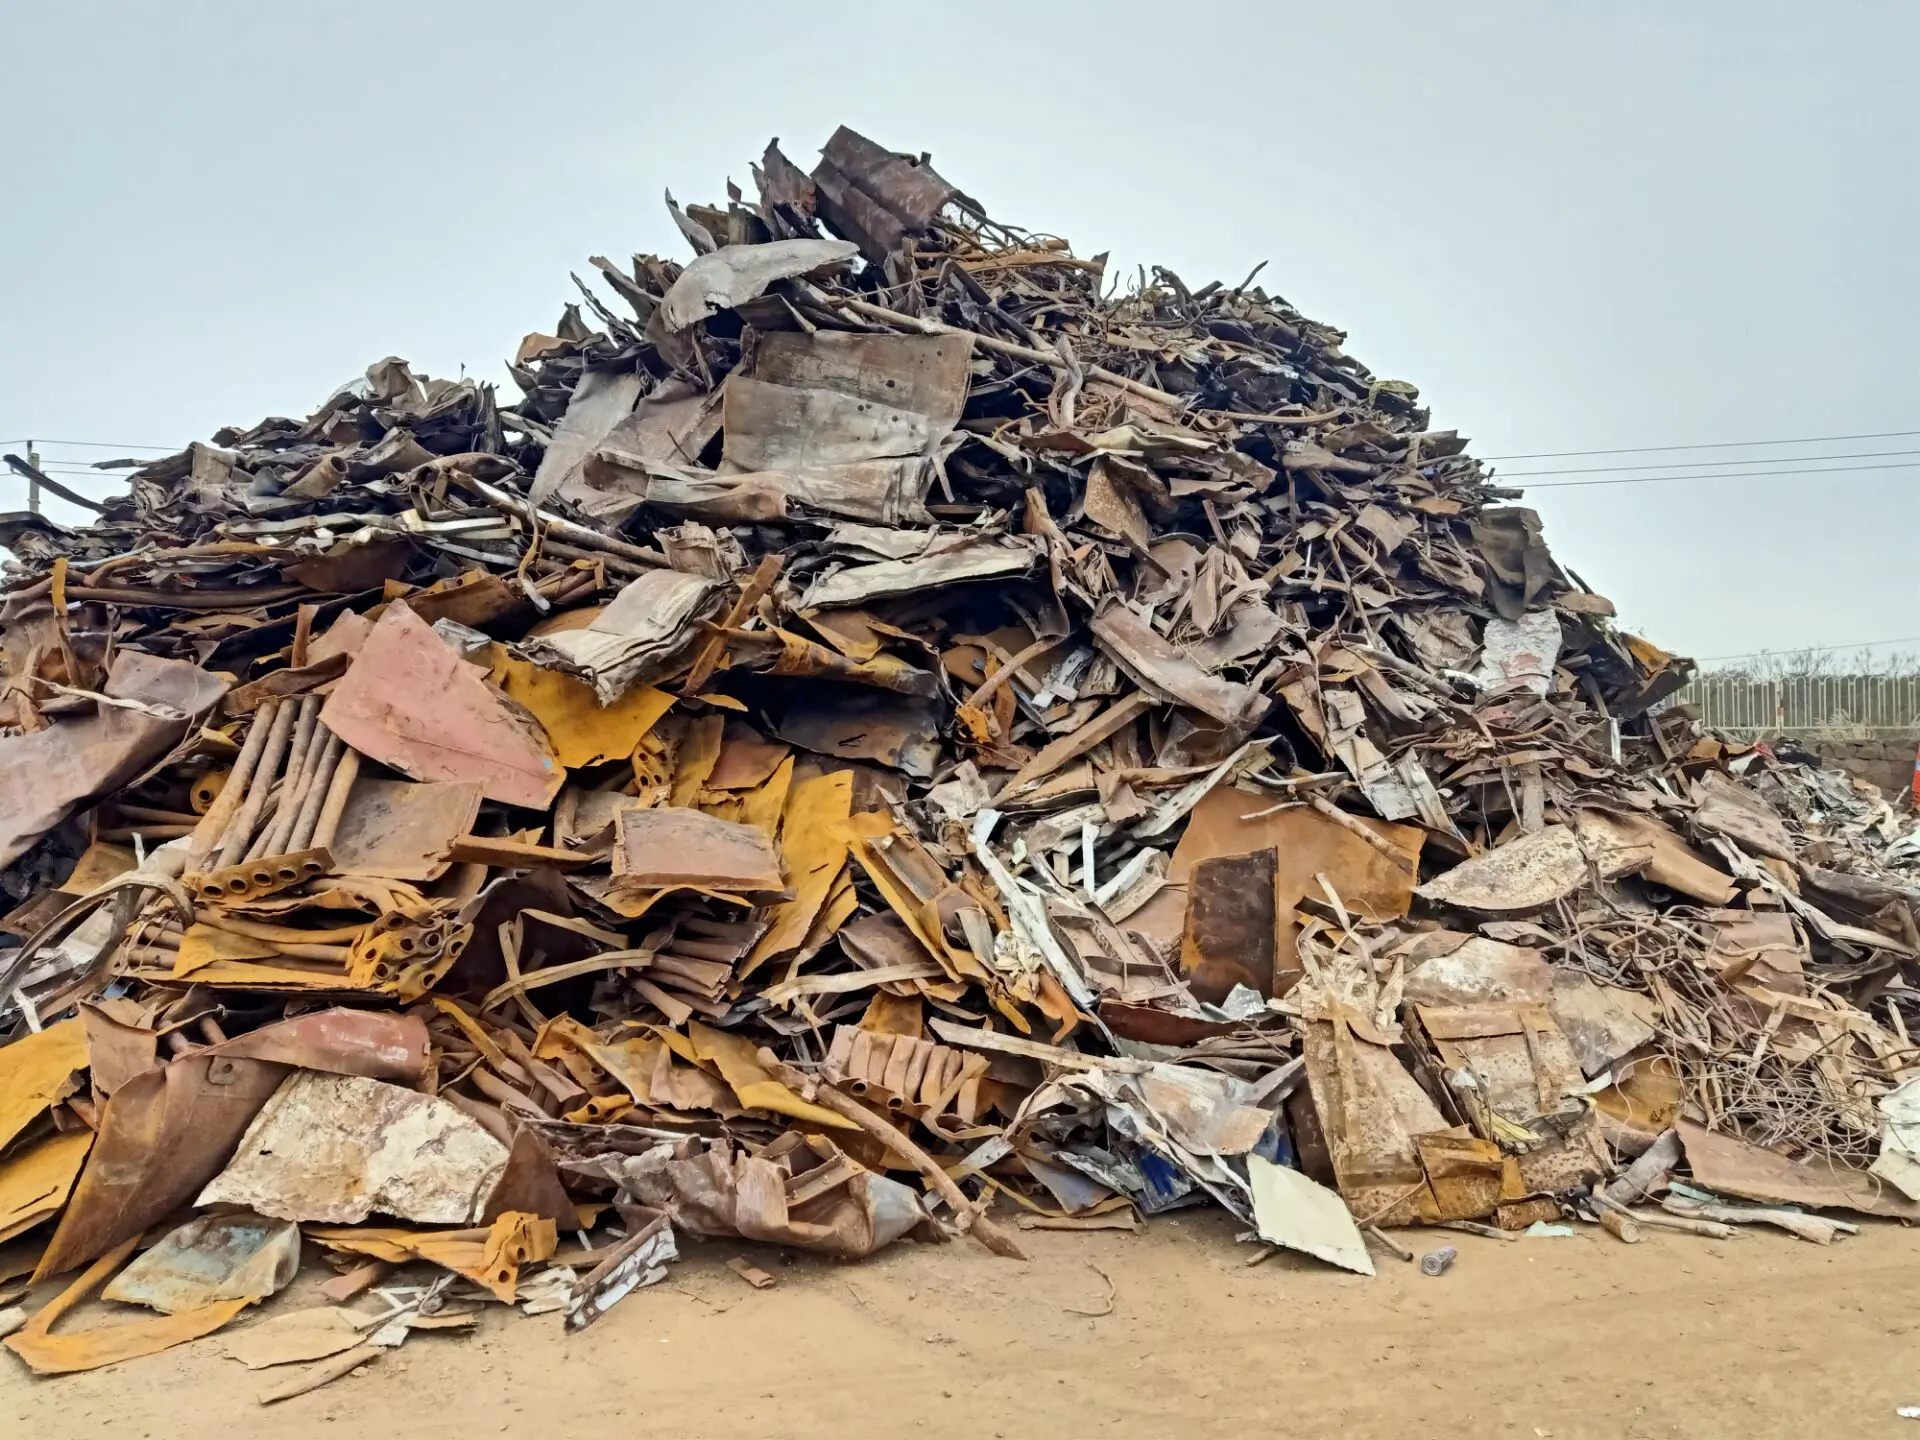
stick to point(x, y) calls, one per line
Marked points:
point(890, 721)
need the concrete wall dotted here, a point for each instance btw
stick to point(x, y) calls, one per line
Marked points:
point(1886, 760)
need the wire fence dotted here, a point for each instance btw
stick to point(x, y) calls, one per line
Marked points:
point(1833, 706)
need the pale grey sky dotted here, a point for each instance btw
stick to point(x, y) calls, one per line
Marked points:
point(1573, 226)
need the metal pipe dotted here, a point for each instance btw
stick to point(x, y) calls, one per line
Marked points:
point(566, 529)
point(316, 795)
point(244, 824)
point(210, 833)
point(285, 801)
point(343, 777)
point(309, 742)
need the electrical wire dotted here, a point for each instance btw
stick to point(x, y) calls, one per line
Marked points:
point(1725, 475)
point(90, 444)
point(1716, 464)
point(1815, 649)
point(1710, 445)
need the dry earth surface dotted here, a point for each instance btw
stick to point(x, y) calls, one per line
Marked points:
point(1564, 1338)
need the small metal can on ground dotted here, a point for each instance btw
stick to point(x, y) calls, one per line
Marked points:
point(1436, 1262)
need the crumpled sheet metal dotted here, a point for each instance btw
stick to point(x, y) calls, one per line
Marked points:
point(47, 1353)
point(1733, 1167)
point(1528, 874)
point(1899, 1160)
point(861, 584)
point(210, 1259)
point(1187, 1128)
point(711, 1189)
point(166, 1132)
point(954, 586)
point(490, 1255)
point(47, 774)
point(35, 1071)
point(636, 639)
point(37, 1177)
point(734, 274)
point(337, 1148)
point(1519, 654)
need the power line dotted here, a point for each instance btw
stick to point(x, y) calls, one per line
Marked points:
point(1714, 464)
point(1729, 475)
point(1713, 445)
point(89, 444)
point(1815, 649)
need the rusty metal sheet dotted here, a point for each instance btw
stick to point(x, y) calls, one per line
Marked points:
point(600, 402)
point(35, 1071)
point(403, 830)
point(923, 374)
point(1673, 864)
point(410, 702)
point(167, 1131)
point(1523, 875)
point(747, 760)
point(1370, 1110)
point(582, 730)
point(47, 774)
point(49, 1354)
point(1231, 926)
point(1728, 808)
point(297, 1335)
point(1468, 1175)
point(36, 1179)
point(874, 196)
point(1733, 1167)
point(816, 857)
point(1481, 971)
point(710, 1188)
point(789, 430)
point(672, 845)
point(1518, 566)
point(530, 1184)
point(339, 1041)
point(163, 1135)
point(1602, 1023)
point(1229, 821)
point(116, 1051)
point(491, 1257)
point(900, 732)
point(1165, 672)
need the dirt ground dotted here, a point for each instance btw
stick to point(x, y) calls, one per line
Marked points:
point(1582, 1337)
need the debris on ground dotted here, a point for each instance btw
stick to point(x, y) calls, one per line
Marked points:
point(893, 724)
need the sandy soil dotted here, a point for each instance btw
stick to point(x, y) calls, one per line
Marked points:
point(1565, 1338)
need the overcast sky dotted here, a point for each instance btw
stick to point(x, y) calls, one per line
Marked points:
point(1575, 227)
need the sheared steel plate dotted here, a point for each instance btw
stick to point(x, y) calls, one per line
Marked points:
point(212, 1258)
point(336, 1148)
point(410, 702)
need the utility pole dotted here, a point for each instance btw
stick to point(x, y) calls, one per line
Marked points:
point(33, 485)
